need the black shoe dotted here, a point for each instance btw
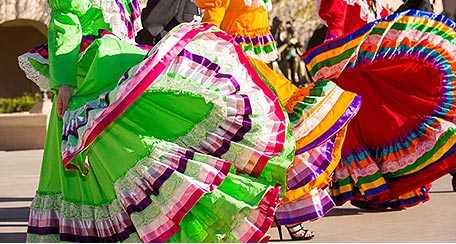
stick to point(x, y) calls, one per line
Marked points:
point(291, 233)
point(453, 181)
point(361, 204)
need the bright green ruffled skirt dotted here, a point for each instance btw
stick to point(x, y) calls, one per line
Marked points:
point(183, 144)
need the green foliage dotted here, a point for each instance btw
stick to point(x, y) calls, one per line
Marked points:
point(19, 104)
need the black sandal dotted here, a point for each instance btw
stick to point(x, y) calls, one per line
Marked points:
point(291, 233)
point(361, 204)
point(453, 180)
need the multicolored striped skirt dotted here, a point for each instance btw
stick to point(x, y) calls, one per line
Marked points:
point(318, 114)
point(403, 138)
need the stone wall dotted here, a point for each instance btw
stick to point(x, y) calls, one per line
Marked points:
point(24, 9)
point(27, 9)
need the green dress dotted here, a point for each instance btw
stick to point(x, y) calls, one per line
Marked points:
point(178, 143)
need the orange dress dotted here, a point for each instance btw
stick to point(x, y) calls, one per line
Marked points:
point(318, 113)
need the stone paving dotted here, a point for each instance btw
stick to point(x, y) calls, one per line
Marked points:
point(431, 222)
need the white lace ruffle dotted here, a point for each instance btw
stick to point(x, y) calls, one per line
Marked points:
point(111, 15)
point(266, 4)
point(365, 13)
point(264, 57)
point(392, 166)
point(31, 73)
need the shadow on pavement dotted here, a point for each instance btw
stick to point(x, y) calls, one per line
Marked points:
point(14, 214)
point(16, 199)
point(12, 237)
point(12, 218)
point(355, 211)
point(432, 192)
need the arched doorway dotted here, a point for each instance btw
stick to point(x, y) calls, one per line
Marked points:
point(18, 36)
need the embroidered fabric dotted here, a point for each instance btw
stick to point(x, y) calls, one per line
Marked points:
point(112, 14)
point(31, 73)
point(395, 165)
point(365, 13)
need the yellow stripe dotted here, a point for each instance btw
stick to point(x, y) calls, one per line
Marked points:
point(373, 184)
point(335, 52)
point(328, 121)
point(437, 155)
point(322, 180)
point(341, 190)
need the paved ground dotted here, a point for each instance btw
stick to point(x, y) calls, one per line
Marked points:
point(434, 221)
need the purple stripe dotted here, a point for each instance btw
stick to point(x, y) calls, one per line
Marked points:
point(349, 113)
point(261, 39)
point(210, 65)
point(90, 239)
point(229, 77)
point(143, 204)
point(246, 126)
point(135, 9)
point(79, 238)
point(201, 60)
point(322, 162)
point(247, 105)
point(81, 121)
point(43, 230)
point(246, 122)
point(306, 214)
point(222, 149)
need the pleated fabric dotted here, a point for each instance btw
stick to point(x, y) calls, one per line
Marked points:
point(403, 137)
point(180, 144)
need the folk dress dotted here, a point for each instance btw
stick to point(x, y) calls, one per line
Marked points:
point(175, 143)
point(318, 113)
point(404, 135)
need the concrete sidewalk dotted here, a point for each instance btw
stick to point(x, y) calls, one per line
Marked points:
point(433, 221)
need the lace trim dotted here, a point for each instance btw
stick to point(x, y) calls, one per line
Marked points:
point(420, 150)
point(400, 36)
point(398, 164)
point(309, 124)
point(204, 174)
point(112, 16)
point(366, 13)
point(31, 73)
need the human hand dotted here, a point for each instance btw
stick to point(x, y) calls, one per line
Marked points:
point(64, 96)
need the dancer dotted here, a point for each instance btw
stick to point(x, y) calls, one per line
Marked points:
point(143, 145)
point(344, 16)
point(318, 113)
point(404, 134)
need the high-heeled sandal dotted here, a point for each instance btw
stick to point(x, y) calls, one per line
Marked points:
point(291, 233)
